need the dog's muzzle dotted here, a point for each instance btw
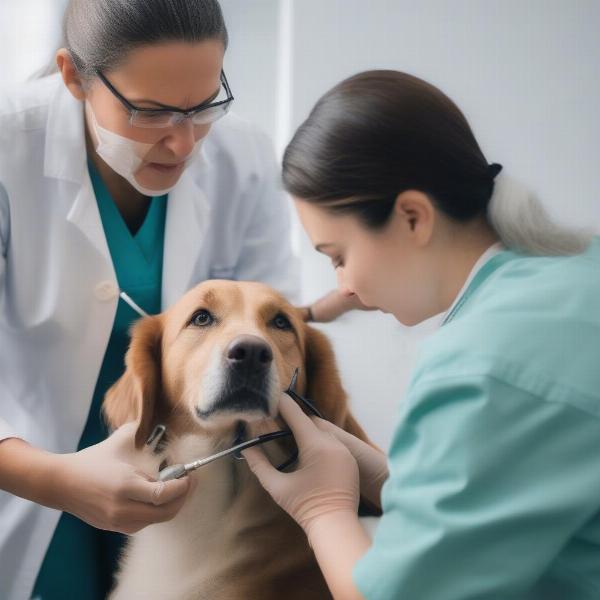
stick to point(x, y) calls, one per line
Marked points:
point(248, 361)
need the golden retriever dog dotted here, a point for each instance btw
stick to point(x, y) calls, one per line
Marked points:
point(212, 366)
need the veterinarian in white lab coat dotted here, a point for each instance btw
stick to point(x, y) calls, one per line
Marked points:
point(494, 486)
point(91, 190)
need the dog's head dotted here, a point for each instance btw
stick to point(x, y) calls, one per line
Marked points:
point(221, 355)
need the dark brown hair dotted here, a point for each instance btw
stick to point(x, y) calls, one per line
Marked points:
point(100, 33)
point(380, 133)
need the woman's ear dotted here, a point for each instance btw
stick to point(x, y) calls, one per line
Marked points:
point(138, 394)
point(415, 213)
point(70, 74)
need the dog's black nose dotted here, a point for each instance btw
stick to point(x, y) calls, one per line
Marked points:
point(249, 351)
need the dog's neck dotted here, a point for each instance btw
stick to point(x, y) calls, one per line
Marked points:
point(225, 520)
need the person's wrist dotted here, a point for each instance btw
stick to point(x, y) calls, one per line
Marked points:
point(55, 484)
point(334, 520)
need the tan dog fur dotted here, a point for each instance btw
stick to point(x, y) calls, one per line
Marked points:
point(230, 540)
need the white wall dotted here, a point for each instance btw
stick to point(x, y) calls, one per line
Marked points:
point(29, 34)
point(251, 62)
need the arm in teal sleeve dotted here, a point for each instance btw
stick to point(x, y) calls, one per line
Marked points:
point(487, 483)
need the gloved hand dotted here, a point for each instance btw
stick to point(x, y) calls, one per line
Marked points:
point(325, 479)
point(102, 486)
point(372, 463)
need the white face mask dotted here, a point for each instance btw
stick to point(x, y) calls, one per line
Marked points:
point(125, 156)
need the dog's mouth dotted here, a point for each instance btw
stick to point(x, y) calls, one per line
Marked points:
point(243, 403)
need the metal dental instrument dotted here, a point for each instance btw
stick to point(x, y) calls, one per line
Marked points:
point(291, 392)
point(126, 298)
point(179, 470)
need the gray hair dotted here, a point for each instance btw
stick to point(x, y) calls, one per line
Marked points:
point(522, 223)
point(100, 33)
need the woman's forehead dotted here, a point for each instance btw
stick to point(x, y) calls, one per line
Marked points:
point(178, 74)
point(324, 227)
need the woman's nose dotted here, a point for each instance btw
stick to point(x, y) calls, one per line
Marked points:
point(342, 287)
point(182, 138)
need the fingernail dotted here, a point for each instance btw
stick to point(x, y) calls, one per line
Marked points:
point(158, 490)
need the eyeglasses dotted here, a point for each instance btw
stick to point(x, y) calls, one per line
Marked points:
point(158, 118)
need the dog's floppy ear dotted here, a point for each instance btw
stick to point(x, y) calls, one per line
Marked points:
point(324, 386)
point(137, 395)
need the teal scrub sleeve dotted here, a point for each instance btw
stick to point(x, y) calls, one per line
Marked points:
point(487, 483)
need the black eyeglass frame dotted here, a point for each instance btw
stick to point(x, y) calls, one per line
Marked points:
point(186, 113)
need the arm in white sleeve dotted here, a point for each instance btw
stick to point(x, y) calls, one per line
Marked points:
point(266, 254)
point(6, 430)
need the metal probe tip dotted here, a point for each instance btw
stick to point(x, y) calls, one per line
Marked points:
point(172, 472)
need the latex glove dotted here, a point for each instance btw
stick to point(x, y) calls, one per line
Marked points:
point(331, 306)
point(102, 486)
point(326, 478)
point(372, 462)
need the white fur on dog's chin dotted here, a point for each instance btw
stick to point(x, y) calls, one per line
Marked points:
point(211, 389)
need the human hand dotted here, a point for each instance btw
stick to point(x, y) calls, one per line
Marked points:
point(102, 486)
point(372, 462)
point(326, 479)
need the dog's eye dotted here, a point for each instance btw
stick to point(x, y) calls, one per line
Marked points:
point(282, 322)
point(202, 318)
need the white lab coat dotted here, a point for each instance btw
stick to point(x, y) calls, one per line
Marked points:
point(227, 218)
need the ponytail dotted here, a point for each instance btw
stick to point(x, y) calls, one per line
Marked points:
point(523, 224)
point(379, 133)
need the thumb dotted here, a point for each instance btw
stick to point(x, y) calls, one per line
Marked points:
point(322, 424)
point(123, 436)
point(329, 427)
point(259, 464)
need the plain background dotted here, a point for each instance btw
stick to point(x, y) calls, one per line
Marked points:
point(525, 73)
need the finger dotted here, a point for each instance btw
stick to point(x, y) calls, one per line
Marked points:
point(158, 492)
point(322, 424)
point(329, 427)
point(300, 424)
point(259, 464)
point(124, 432)
point(141, 512)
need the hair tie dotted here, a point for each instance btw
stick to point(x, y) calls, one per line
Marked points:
point(494, 169)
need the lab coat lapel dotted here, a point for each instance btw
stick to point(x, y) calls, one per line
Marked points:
point(64, 152)
point(84, 214)
point(65, 158)
point(187, 220)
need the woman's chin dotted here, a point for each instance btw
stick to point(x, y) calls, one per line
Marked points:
point(153, 177)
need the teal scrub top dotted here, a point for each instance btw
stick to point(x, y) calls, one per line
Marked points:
point(494, 486)
point(81, 560)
